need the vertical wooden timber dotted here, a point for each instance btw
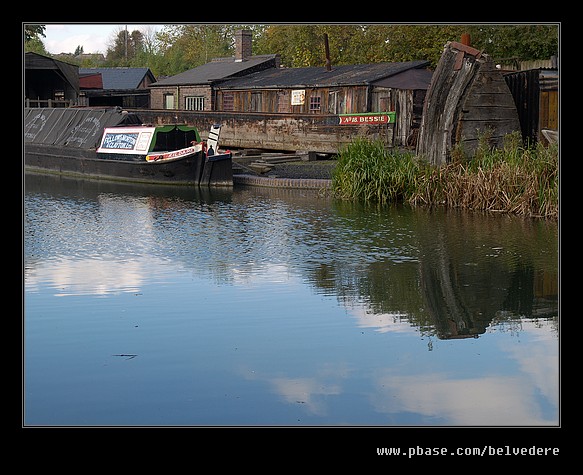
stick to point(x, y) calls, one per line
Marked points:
point(467, 98)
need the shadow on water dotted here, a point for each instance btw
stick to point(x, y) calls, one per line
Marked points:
point(57, 185)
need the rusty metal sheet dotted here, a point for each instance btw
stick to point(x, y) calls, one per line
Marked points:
point(459, 59)
point(466, 49)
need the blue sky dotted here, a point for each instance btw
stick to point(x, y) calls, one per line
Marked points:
point(64, 38)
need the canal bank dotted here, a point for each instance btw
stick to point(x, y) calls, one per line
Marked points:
point(316, 174)
point(282, 182)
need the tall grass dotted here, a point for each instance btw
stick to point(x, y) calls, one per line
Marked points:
point(513, 179)
point(366, 170)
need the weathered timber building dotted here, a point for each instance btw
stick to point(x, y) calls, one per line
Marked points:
point(49, 82)
point(262, 105)
point(536, 95)
point(468, 100)
point(120, 86)
point(362, 89)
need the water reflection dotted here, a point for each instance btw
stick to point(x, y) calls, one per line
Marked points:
point(250, 281)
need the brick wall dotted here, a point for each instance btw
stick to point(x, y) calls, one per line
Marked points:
point(243, 45)
point(180, 93)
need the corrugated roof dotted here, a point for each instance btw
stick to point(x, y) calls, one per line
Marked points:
point(410, 79)
point(347, 75)
point(119, 78)
point(214, 71)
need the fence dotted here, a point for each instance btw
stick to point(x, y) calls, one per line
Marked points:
point(48, 103)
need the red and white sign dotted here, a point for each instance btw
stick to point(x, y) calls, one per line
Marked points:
point(364, 119)
point(154, 157)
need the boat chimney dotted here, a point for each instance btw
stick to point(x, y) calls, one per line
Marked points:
point(327, 48)
point(243, 45)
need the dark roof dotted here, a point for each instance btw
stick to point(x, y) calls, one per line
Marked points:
point(410, 79)
point(217, 69)
point(120, 78)
point(347, 75)
point(35, 61)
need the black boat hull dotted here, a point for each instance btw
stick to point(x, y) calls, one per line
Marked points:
point(195, 169)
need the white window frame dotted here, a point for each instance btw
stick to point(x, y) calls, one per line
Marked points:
point(169, 101)
point(194, 103)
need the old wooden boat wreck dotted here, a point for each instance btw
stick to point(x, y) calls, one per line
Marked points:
point(110, 144)
point(468, 101)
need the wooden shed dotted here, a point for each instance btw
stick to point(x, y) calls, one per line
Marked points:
point(468, 99)
point(398, 88)
point(48, 81)
point(536, 94)
point(119, 86)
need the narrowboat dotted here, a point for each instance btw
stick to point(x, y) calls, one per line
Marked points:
point(108, 144)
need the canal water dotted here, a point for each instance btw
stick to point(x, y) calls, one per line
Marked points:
point(151, 306)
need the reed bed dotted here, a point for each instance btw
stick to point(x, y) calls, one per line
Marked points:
point(513, 179)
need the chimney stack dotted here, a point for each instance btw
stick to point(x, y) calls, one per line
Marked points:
point(243, 45)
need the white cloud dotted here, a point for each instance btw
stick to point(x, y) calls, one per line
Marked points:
point(485, 401)
point(65, 38)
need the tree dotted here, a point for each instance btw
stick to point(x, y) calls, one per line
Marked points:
point(124, 48)
point(187, 46)
point(302, 45)
point(177, 48)
point(32, 40)
point(524, 42)
point(34, 31)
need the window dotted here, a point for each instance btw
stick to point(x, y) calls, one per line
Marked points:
point(228, 102)
point(315, 102)
point(333, 102)
point(168, 101)
point(194, 103)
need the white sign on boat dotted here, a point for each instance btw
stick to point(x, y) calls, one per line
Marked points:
point(128, 140)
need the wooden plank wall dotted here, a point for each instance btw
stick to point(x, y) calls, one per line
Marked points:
point(468, 97)
point(286, 132)
point(489, 107)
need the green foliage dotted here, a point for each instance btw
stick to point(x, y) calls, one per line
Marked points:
point(177, 48)
point(525, 42)
point(32, 40)
point(187, 46)
point(514, 179)
point(126, 47)
point(303, 45)
point(34, 32)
